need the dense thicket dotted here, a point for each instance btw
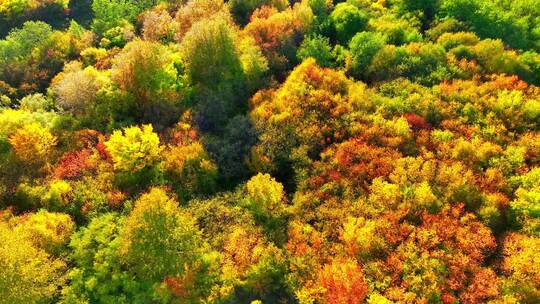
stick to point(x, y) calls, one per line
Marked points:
point(270, 151)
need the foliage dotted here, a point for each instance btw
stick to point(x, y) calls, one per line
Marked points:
point(317, 47)
point(269, 151)
point(191, 169)
point(29, 274)
point(363, 48)
point(348, 20)
point(167, 242)
point(33, 143)
point(134, 148)
point(151, 75)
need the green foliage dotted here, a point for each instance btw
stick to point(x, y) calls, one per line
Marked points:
point(363, 48)
point(269, 151)
point(317, 47)
point(348, 20)
point(525, 208)
point(210, 53)
point(160, 241)
point(97, 275)
point(511, 21)
point(110, 14)
point(152, 76)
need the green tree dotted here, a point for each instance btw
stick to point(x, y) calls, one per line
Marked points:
point(109, 14)
point(153, 78)
point(97, 275)
point(160, 242)
point(348, 20)
point(525, 208)
point(317, 47)
point(210, 53)
point(363, 48)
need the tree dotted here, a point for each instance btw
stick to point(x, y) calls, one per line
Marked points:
point(279, 34)
point(35, 53)
point(319, 48)
point(363, 48)
point(48, 231)
point(348, 20)
point(158, 25)
point(343, 282)
point(243, 9)
point(524, 208)
point(521, 280)
point(109, 14)
point(265, 195)
point(76, 89)
point(151, 77)
point(196, 11)
point(33, 144)
point(425, 10)
point(14, 13)
point(508, 21)
point(294, 120)
point(210, 53)
point(134, 148)
point(97, 274)
point(29, 274)
point(231, 149)
point(225, 68)
point(161, 243)
point(190, 169)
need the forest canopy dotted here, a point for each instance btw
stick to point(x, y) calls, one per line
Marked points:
point(270, 151)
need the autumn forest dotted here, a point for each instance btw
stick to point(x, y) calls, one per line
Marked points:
point(270, 151)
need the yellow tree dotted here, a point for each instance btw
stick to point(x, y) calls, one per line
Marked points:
point(265, 194)
point(28, 274)
point(303, 116)
point(33, 143)
point(134, 148)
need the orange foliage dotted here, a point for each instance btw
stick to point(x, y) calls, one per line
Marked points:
point(343, 282)
point(278, 34)
point(354, 163)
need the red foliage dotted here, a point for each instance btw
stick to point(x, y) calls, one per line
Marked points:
point(484, 285)
point(73, 164)
point(417, 122)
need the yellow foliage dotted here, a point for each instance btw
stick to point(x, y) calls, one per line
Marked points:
point(47, 230)
point(28, 274)
point(360, 236)
point(134, 148)
point(266, 193)
point(33, 143)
